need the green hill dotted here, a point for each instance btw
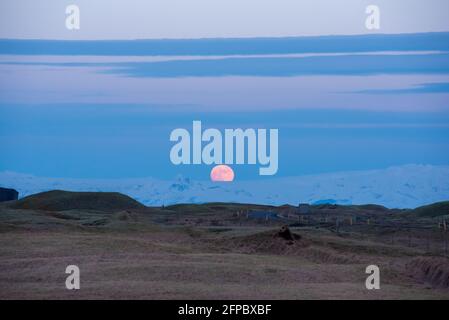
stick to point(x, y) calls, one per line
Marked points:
point(432, 210)
point(58, 200)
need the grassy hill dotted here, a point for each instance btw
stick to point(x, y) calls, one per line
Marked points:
point(432, 210)
point(58, 200)
point(211, 207)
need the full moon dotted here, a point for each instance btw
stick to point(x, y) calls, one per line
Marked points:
point(222, 173)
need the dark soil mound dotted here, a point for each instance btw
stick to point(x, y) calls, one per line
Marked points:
point(283, 242)
point(64, 200)
point(286, 234)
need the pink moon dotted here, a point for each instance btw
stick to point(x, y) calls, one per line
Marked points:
point(222, 173)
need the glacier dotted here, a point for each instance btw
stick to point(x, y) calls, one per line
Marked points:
point(406, 186)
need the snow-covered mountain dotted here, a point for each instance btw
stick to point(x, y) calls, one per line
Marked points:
point(405, 186)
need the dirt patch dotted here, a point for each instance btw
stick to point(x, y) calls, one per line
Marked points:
point(433, 270)
point(125, 215)
point(284, 242)
point(280, 242)
point(323, 255)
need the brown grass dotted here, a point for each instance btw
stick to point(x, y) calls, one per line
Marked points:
point(132, 255)
point(433, 270)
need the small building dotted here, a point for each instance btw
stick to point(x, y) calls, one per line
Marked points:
point(262, 214)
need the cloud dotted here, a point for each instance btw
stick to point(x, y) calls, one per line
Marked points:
point(438, 41)
point(131, 19)
point(421, 88)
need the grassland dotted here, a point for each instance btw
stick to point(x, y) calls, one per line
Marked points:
point(218, 251)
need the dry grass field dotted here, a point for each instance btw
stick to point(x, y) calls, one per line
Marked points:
point(200, 252)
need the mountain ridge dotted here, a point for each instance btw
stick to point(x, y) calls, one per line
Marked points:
point(407, 186)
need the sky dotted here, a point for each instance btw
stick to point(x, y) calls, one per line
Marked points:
point(359, 100)
point(154, 19)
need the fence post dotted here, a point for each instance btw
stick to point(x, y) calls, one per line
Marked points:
point(409, 239)
point(445, 243)
point(445, 238)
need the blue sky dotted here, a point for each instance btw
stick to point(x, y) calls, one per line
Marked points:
point(91, 106)
point(111, 141)
point(68, 111)
point(155, 19)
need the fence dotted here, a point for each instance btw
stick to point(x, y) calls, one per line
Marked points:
point(432, 238)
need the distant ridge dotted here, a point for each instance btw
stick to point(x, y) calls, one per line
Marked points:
point(432, 210)
point(402, 187)
point(58, 200)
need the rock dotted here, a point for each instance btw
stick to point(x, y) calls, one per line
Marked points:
point(286, 234)
point(8, 194)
